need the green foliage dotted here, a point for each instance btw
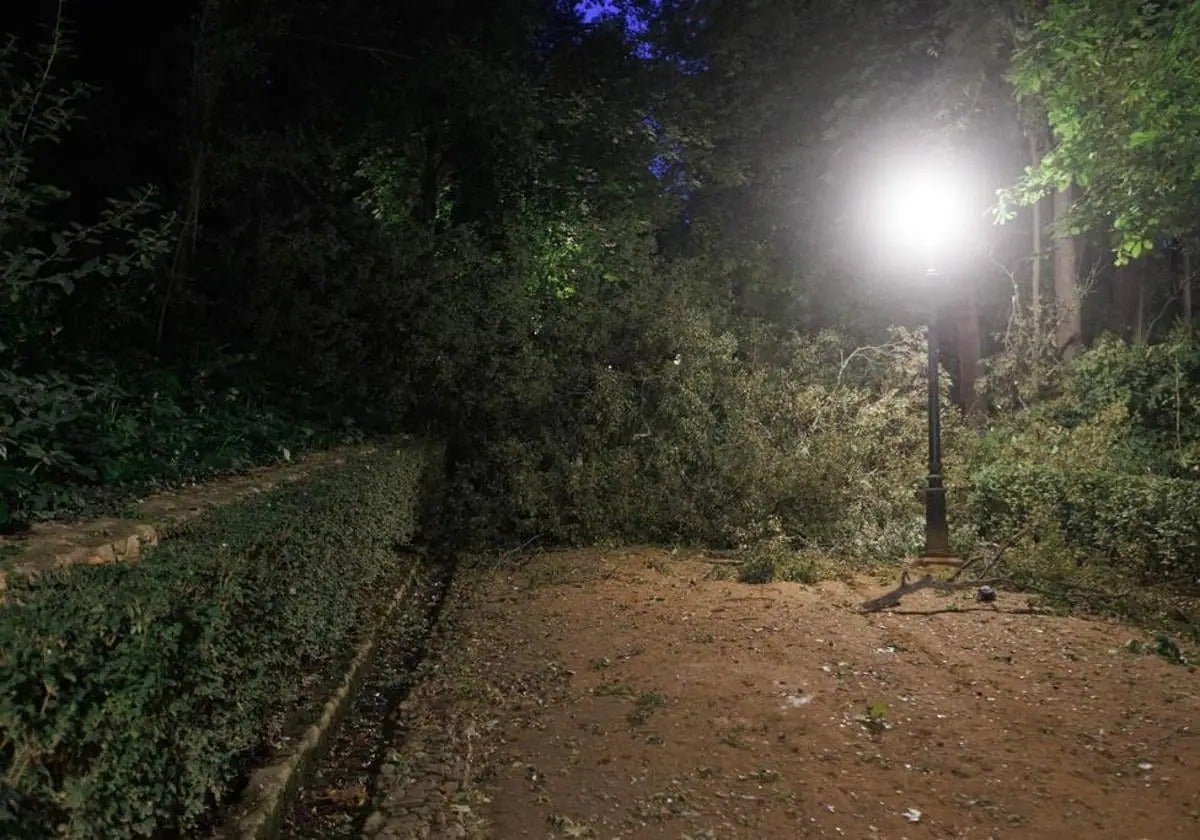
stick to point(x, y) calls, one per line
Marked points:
point(132, 696)
point(1143, 523)
point(706, 433)
point(1108, 468)
point(43, 260)
point(1155, 385)
point(1118, 406)
point(1119, 81)
point(71, 427)
point(79, 443)
point(37, 415)
point(774, 559)
point(1038, 558)
point(484, 254)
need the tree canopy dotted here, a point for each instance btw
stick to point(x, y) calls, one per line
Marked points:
point(586, 245)
point(1119, 82)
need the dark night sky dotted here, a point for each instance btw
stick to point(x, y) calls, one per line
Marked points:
point(124, 52)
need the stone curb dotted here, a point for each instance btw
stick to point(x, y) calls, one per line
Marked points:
point(54, 545)
point(123, 547)
point(272, 789)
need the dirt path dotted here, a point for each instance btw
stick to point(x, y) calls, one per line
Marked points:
point(626, 694)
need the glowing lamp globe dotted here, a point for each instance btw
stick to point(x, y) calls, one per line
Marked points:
point(923, 213)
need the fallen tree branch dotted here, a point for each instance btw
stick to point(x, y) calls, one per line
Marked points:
point(907, 587)
point(717, 561)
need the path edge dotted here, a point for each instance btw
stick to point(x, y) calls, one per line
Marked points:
point(271, 790)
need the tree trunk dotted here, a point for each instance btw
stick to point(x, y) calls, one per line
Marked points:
point(967, 350)
point(1038, 225)
point(1123, 301)
point(202, 101)
point(185, 245)
point(1139, 317)
point(1186, 288)
point(429, 177)
point(1035, 278)
point(1068, 331)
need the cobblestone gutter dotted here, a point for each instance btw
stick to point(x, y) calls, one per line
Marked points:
point(430, 752)
point(371, 753)
point(273, 787)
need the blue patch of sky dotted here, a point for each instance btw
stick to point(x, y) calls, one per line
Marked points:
point(667, 166)
point(590, 11)
point(636, 26)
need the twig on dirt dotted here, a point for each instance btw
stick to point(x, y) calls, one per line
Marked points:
point(907, 587)
point(892, 598)
point(504, 555)
point(1028, 610)
point(717, 561)
point(995, 558)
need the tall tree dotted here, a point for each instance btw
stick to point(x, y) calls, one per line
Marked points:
point(1119, 81)
point(1068, 328)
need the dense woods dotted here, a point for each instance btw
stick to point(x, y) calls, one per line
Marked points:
point(616, 255)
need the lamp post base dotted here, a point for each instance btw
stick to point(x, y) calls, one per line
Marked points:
point(935, 560)
point(937, 532)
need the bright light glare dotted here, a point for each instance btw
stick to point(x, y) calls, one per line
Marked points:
point(924, 212)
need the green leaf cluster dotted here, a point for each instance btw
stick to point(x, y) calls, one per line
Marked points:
point(43, 259)
point(1143, 524)
point(85, 441)
point(707, 432)
point(1119, 81)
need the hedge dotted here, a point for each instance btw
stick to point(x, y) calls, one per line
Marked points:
point(1147, 522)
point(134, 697)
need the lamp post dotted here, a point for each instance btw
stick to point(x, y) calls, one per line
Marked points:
point(937, 532)
point(923, 210)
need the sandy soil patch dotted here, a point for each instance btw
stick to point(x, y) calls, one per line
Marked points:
point(626, 693)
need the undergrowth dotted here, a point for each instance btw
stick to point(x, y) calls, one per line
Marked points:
point(1094, 488)
point(81, 444)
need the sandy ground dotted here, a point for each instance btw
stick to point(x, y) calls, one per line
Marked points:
point(628, 693)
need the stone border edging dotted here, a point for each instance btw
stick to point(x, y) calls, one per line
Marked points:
point(123, 547)
point(118, 539)
point(272, 789)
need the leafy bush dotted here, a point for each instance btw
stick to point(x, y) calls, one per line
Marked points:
point(1156, 385)
point(36, 414)
point(42, 259)
point(1107, 469)
point(774, 559)
point(69, 425)
point(1145, 523)
point(725, 434)
point(133, 696)
point(79, 443)
point(1132, 407)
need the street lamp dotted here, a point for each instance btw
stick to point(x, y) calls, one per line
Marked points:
point(924, 213)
